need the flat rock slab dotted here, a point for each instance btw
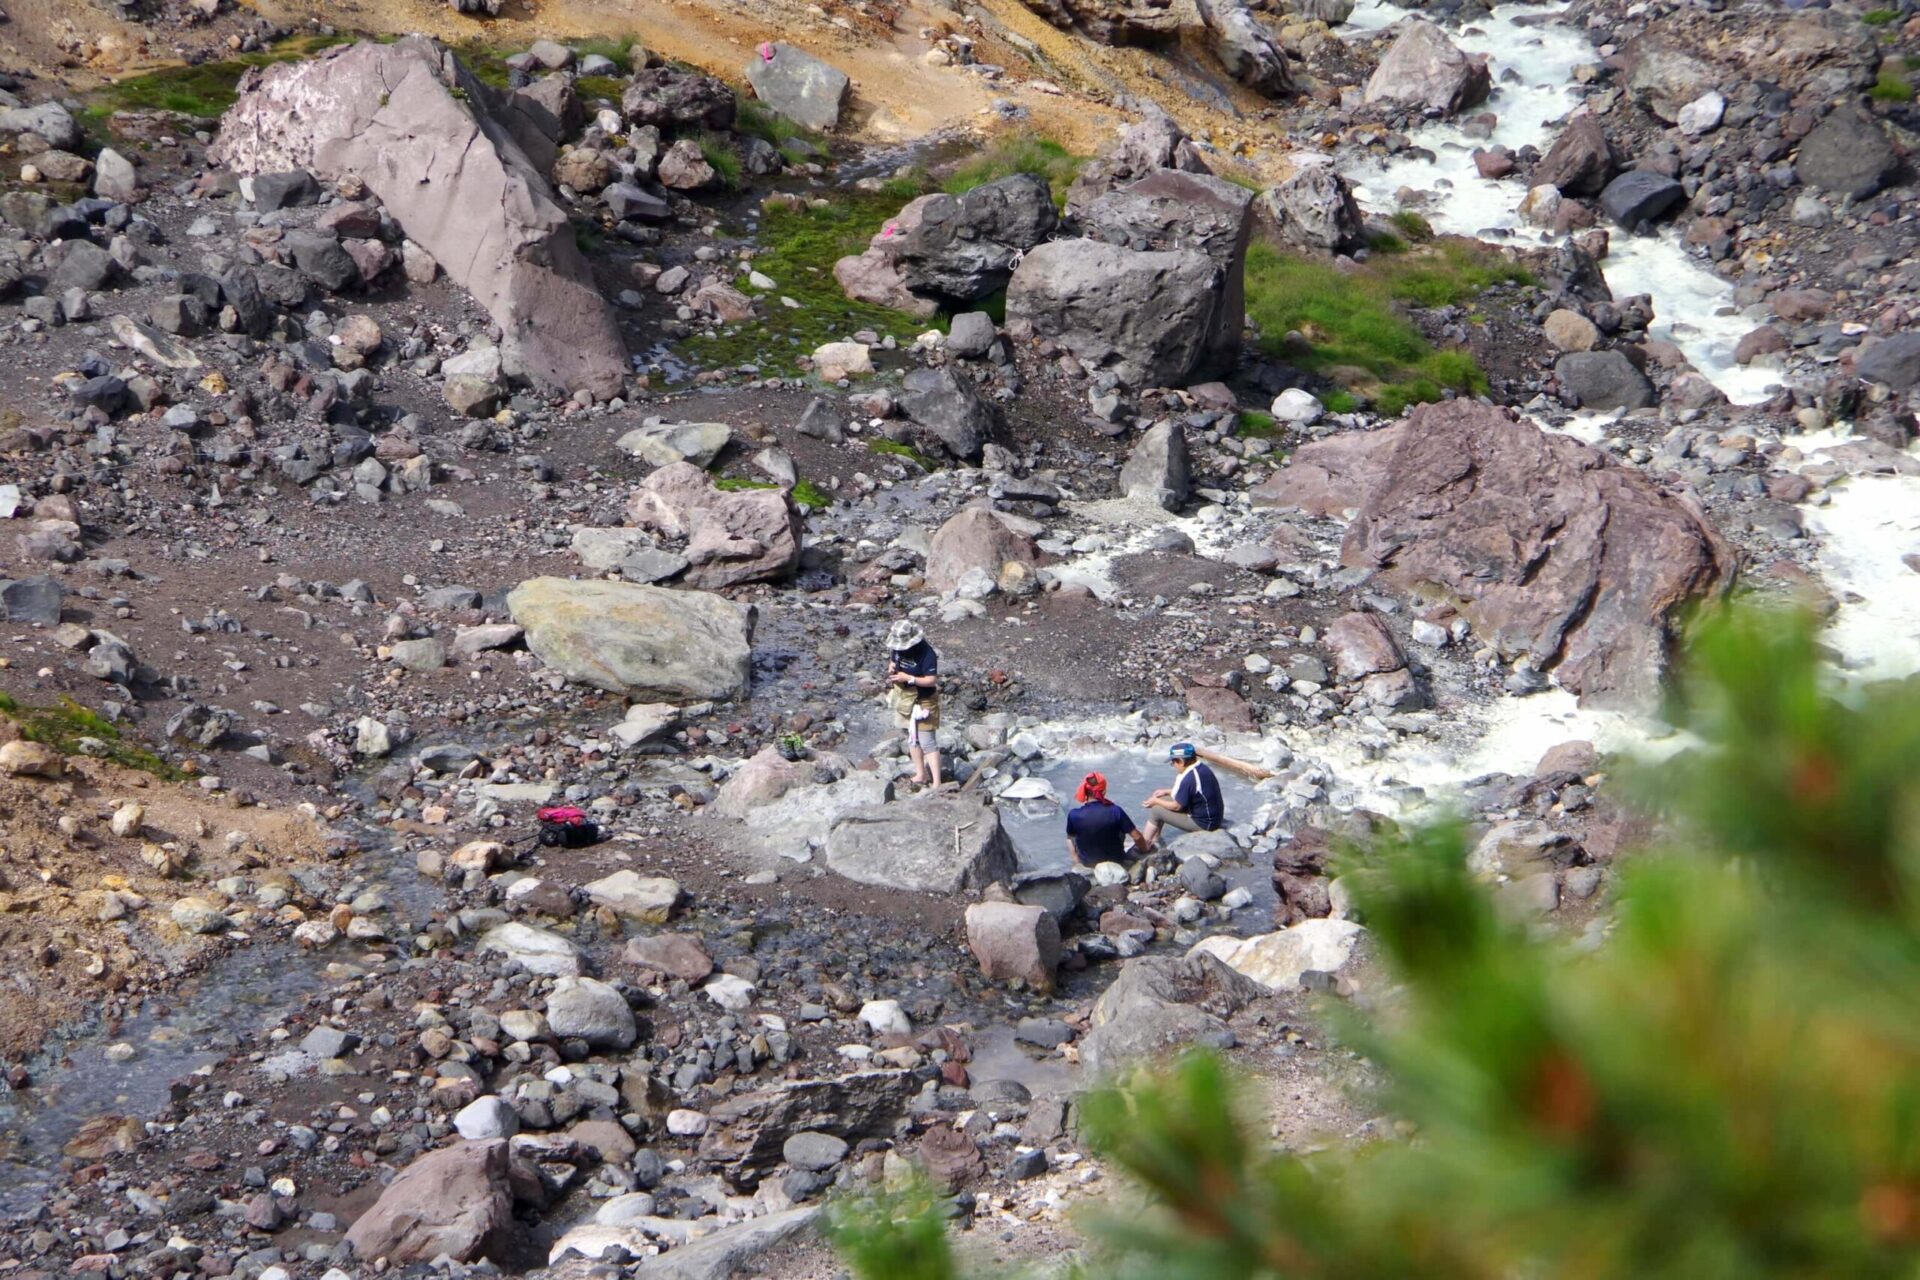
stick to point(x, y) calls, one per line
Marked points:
point(642, 640)
point(930, 844)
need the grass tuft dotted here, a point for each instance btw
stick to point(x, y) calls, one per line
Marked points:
point(1880, 17)
point(718, 150)
point(1353, 324)
point(1411, 226)
point(894, 449)
point(1892, 84)
point(204, 91)
point(72, 730)
point(1254, 424)
point(811, 496)
point(1018, 153)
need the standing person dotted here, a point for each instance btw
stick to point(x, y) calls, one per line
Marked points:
point(1192, 803)
point(1099, 829)
point(913, 694)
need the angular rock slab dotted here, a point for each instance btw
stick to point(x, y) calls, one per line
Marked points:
point(427, 137)
point(798, 86)
point(651, 642)
point(931, 844)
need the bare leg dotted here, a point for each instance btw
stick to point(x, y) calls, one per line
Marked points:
point(1151, 833)
point(933, 762)
point(918, 757)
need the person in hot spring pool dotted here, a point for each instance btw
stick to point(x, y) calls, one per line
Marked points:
point(1099, 830)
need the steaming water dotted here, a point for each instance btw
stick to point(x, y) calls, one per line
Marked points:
point(1533, 57)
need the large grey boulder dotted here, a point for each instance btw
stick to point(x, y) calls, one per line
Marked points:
point(1160, 1005)
point(641, 640)
point(1848, 153)
point(1315, 208)
point(49, 120)
point(947, 404)
point(590, 1010)
point(397, 117)
point(1149, 145)
point(1663, 77)
point(1246, 48)
point(750, 535)
point(931, 844)
point(1894, 361)
point(1604, 380)
point(798, 85)
point(1159, 470)
point(1638, 196)
point(1581, 160)
point(1174, 210)
point(1426, 70)
point(963, 248)
point(1153, 317)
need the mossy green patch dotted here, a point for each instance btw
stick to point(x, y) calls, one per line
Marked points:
point(718, 151)
point(621, 51)
point(798, 247)
point(1254, 424)
point(1892, 84)
point(741, 484)
point(591, 88)
point(1354, 330)
point(811, 496)
point(894, 449)
point(1880, 17)
point(72, 729)
point(1416, 229)
point(203, 91)
point(1018, 153)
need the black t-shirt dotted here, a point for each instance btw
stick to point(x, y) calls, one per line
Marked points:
point(1099, 829)
point(918, 661)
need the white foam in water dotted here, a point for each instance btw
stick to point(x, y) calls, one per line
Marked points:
point(1866, 526)
point(1688, 299)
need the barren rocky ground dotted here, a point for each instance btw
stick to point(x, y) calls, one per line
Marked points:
point(403, 433)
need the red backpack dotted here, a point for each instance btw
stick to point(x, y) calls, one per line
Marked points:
point(566, 826)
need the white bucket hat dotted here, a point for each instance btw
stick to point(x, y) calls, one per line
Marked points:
point(905, 635)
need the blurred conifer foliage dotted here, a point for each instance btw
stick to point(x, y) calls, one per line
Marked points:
point(1728, 1088)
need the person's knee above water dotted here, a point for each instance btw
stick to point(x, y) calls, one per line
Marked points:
point(1192, 803)
point(913, 695)
point(1098, 831)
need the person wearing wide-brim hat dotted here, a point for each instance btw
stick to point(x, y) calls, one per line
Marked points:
point(913, 695)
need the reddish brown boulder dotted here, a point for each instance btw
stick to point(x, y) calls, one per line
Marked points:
point(675, 954)
point(457, 1200)
point(1550, 548)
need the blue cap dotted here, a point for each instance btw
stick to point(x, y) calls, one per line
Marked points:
point(1182, 751)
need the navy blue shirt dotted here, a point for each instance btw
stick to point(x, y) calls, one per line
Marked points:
point(920, 660)
point(1198, 793)
point(1099, 829)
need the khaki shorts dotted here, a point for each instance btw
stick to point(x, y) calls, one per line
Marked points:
point(924, 716)
point(1178, 818)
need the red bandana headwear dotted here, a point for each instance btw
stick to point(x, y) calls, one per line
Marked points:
point(1092, 787)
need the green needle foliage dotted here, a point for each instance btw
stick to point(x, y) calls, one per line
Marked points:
point(1728, 1088)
